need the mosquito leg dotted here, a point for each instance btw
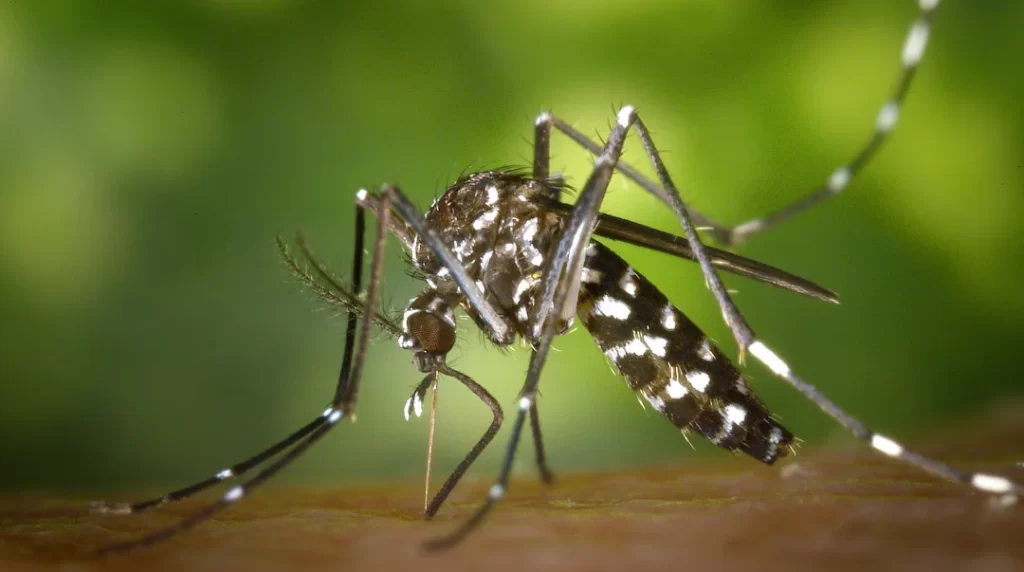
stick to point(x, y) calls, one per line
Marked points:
point(236, 470)
point(485, 440)
point(718, 231)
point(560, 287)
point(230, 497)
point(542, 146)
point(913, 50)
point(984, 482)
point(343, 403)
point(992, 484)
point(538, 445)
point(239, 469)
point(733, 318)
point(911, 55)
point(541, 170)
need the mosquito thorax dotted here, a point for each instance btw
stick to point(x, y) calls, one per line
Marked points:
point(501, 234)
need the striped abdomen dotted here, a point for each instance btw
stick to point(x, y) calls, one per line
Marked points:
point(670, 362)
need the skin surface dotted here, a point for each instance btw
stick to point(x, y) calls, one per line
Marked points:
point(845, 510)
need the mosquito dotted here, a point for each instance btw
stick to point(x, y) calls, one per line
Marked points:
point(502, 246)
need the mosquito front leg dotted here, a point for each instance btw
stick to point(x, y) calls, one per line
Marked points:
point(342, 405)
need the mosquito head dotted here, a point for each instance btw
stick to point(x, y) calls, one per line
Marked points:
point(428, 329)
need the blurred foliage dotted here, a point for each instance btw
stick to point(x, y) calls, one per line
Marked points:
point(149, 152)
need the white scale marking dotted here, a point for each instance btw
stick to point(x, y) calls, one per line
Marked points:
point(485, 220)
point(655, 401)
point(676, 390)
point(522, 314)
point(529, 230)
point(334, 417)
point(525, 403)
point(462, 248)
point(492, 195)
point(887, 117)
point(626, 115)
point(735, 414)
point(608, 306)
point(768, 357)
point(668, 318)
point(234, 494)
point(614, 353)
point(657, 344)
point(525, 284)
point(589, 276)
point(635, 347)
point(839, 179)
point(917, 41)
point(497, 491)
point(408, 314)
point(748, 227)
point(628, 283)
point(774, 438)
point(886, 445)
point(991, 483)
point(417, 405)
point(704, 352)
point(435, 306)
point(698, 379)
point(225, 474)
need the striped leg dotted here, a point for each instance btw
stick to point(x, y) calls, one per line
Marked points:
point(561, 285)
point(912, 52)
point(236, 470)
point(343, 403)
point(239, 469)
point(984, 482)
point(747, 339)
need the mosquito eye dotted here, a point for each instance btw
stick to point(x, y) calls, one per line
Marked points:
point(433, 333)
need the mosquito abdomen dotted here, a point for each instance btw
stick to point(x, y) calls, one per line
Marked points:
point(667, 359)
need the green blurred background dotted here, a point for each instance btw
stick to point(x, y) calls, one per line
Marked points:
point(151, 151)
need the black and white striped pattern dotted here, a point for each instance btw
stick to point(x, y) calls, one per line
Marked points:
point(666, 359)
point(911, 54)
